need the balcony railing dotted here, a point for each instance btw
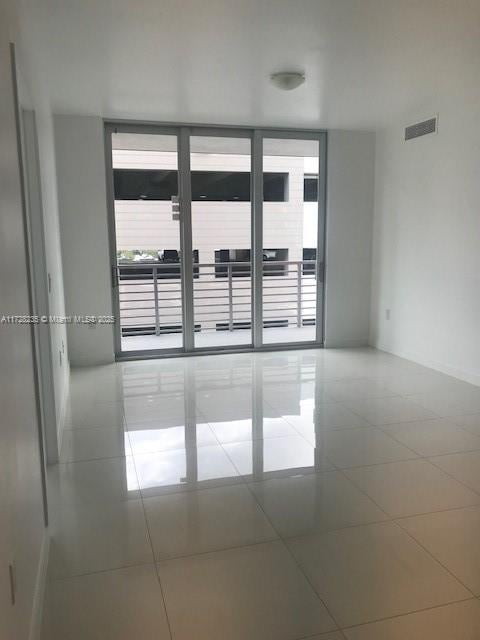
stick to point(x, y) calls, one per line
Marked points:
point(150, 296)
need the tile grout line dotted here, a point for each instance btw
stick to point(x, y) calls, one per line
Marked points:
point(404, 615)
point(340, 470)
point(428, 456)
point(289, 552)
point(74, 576)
point(412, 537)
point(394, 520)
point(431, 513)
point(151, 545)
point(476, 491)
point(236, 547)
point(411, 515)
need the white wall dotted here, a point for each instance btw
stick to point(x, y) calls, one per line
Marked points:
point(32, 97)
point(350, 176)
point(22, 531)
point(53, 257)
point(426, 255)
point(83, 226)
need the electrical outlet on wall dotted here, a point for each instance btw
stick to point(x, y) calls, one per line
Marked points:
point(387, 314)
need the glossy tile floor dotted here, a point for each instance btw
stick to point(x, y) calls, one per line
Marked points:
point(278, 496)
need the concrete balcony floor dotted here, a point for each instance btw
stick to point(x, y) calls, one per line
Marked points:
point(215, 339)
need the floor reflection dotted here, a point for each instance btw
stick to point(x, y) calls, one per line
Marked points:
point(196, 425)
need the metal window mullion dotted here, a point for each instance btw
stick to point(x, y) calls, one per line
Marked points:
point(321, 236)
point(257, 237)
point(230, 299)
point(112, 238)
point(185, 199)
point(155, 300)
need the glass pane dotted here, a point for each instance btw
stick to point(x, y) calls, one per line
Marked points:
point(221, 234)
point(145, 173)
point(290, 242)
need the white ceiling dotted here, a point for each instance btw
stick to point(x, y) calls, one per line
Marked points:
point(209, 61)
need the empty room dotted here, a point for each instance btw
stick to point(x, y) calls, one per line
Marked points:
point(239, 320)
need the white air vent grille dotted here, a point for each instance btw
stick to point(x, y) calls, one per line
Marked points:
point(421, 129)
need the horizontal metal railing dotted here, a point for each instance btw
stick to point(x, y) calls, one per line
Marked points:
point(150, 296)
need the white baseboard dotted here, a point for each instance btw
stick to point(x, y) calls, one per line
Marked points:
point(449, 370)
point(40, 588)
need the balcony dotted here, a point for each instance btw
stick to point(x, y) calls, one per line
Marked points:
point(150, 300)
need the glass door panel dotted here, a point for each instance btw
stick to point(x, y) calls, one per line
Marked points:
point(149, 272)
point(221, 240)
point(290, 237)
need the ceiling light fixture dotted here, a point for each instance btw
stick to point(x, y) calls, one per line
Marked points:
point(287, 80)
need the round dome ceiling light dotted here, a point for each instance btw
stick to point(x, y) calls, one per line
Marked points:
point(287, 80)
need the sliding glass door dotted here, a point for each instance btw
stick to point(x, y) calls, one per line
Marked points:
point(147, 265)
point(290, 240)
point(221, 235)
point(217, 238)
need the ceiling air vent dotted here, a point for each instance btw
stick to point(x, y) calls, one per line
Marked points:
point(421, 128)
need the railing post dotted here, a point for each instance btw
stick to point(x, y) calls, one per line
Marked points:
point(299, 294)
point(230, 298)
point(155, 299)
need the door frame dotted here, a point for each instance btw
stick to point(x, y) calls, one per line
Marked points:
point(36, 275)
point(183, 132)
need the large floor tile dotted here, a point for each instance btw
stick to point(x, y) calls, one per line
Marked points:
point(344, 390)
point(380, 411)
point(92, 444)
point(453, 402)
point(295, 397)
point(253, 592)
point(412, 487)
point(208, 520)
point(360, 447)
point(407, 384)
point(151, 407)
point(111, 605)
point(184, 469)
point(433, 437)
point(244, 430)
point(230, 399)
point(464, 467)
point(314, 502)
point(164, 438)
point(106, 480)
point(84, 414)
point(164, 422)
point(325, 416)
point(471, 423)
point(459, 621)
point(90, 538)
point(452, 537)
point(95, 384)
point(275, 456)
point(374, 571)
